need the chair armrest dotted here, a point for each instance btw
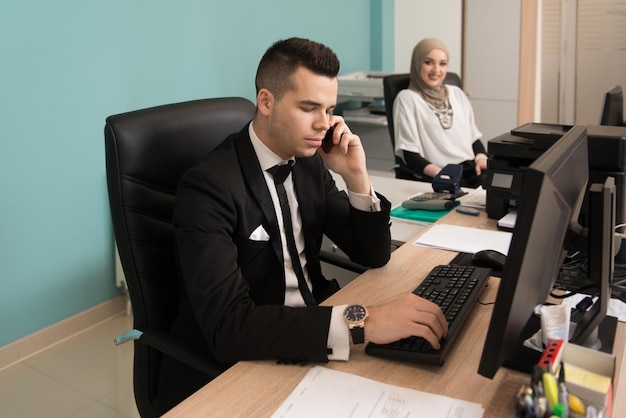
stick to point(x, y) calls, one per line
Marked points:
point(168, 345)
point(342, 262)
point(345, 263)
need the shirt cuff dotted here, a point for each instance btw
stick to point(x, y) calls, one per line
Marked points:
point(338, 335)
point(364, 202)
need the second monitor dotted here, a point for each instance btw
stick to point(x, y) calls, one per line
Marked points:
point(552, 197)
point(613, 107)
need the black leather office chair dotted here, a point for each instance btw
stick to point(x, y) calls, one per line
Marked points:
point(147, 151)
point(392, 85)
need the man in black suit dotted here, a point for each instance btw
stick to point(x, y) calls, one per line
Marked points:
point(241, 299)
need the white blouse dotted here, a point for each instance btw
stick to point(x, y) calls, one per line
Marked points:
point(418, 130)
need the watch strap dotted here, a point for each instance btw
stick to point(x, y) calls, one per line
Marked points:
point(358, 334)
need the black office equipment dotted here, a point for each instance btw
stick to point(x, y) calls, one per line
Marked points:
point(509, 156)
point(433, 200)
point(492, 259)
point(613, 107)
point(512, 153)
point(448, 179)
point(455, 289)
point(146, 153)
point(601, 263)
point(466, 210)
point(547, 224)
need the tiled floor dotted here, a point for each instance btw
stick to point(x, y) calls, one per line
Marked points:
point(84, 376)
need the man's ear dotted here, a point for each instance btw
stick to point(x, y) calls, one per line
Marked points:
point(265, 101)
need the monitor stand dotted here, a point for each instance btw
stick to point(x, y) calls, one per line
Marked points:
point(524, 358)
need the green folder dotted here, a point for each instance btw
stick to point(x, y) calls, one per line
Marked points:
point(418, 215)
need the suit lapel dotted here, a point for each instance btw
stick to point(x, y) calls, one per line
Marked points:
point(257, 186)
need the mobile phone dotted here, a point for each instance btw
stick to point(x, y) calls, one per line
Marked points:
point(467, 211)
point(327, 142)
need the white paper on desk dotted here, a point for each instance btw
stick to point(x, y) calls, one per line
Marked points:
point(464, 239)
point(329, 393)
point(476, 198)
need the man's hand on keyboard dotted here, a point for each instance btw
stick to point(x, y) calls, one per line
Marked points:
point(407, 316)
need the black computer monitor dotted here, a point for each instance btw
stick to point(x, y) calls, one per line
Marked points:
point(554, 188)
point(613, 108)
point(601, 263)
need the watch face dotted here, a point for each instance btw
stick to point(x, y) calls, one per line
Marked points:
point(355, 313)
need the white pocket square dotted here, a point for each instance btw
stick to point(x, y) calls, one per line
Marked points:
point(259, 234)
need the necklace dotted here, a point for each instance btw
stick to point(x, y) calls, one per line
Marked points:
point(444, 114)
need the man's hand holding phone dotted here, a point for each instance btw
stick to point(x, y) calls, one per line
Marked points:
point(346, 157)
point(346, 138)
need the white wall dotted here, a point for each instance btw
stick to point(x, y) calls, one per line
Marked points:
point(417, 19)
point(600, 55)
point(492, 51)
point(583, 56)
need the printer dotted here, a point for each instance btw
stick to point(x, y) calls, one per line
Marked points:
point(366, 86)
point(511, 153)
point(363, 89)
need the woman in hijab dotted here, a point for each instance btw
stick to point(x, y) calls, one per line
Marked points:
point(434, 123)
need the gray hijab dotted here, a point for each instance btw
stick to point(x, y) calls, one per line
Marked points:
point(435, 96)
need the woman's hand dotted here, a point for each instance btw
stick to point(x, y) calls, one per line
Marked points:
point(480, 162)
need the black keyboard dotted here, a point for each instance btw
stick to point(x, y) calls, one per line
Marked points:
point(455, 289)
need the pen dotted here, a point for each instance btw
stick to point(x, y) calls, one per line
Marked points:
point(541, 406)
point(525, 404)
point(591, 412)
point(563, 394)
point(550, 389)
point(535, 381)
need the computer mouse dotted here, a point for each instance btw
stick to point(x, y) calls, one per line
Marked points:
point(489, 258)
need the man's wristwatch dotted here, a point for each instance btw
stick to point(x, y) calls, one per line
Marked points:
point(354, 316)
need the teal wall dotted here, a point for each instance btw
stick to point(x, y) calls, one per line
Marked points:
point(66, 65)
point(382, 35)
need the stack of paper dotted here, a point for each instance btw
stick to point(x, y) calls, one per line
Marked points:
point(465, 240)
point(508, 220)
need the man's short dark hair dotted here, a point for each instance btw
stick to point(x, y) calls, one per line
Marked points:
point(283, 58)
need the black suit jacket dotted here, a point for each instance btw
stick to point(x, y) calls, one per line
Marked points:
point(232, 305)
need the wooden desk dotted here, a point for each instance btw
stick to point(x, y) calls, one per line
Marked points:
point(257, 388)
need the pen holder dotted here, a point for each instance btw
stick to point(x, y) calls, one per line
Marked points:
point(571, 381)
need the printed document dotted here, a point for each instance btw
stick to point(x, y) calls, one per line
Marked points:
point(329, 393)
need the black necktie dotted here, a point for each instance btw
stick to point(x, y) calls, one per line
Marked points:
point(280, 173)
